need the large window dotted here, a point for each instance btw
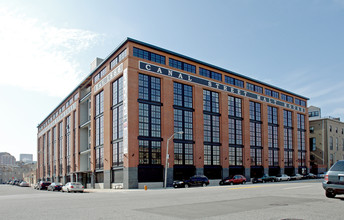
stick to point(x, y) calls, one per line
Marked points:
point(99, 120)
point(60, 147)
point(182, 66)
point(301, 140)
point(288, 138)
point(272, 93)
point(255, 134)
point(117, 123)
point(183, 121)
point(211, 121)
point(254, 88)
point(273, 136)
point(235, 131)
point(118, 58)
point(48, 152)
point(210, 74)
point(54, 155)
point(149, 120)
point(68, 143)
point(233, 81)
point(148, 55)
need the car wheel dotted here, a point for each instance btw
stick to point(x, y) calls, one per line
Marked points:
point(330, 194)
point(221, 183)
point(204, 185)
point(186, 186)
point(243, 182)
point(231, 183)
point(68, 191)
point(273, 180)
point(263, 181)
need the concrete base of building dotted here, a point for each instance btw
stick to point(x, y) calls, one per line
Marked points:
point(266, 170)
point(225, 172)
point(200, 171)
point(169, 177)
point(247, 174)
point(282, 170)
point(107, 179)
point(130, 178)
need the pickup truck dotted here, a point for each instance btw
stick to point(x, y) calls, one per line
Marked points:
point(264, 178)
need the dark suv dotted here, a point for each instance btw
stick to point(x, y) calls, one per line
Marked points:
point(43, 185)
point(197, 180)
point(334, 180)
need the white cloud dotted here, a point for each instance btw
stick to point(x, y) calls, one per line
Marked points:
point(38, 56)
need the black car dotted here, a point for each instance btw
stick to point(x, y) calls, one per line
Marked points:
point(43, 185)
point(197, 180)
point(54, 186)
point(264, 178)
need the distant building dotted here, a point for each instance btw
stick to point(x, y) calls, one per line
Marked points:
point(26, 158)
point(326, 140)
point(7, 159)
point(18, 172)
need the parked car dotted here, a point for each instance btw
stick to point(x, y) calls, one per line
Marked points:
point(36, 185)
point(55, 186)
point(43, 185)
point(296, 177)
point(333, 183)
point(264, 178)
point(309, 176)
point(282, 177)
point(24, 184)
point(197, 180)
point(73, 187)
point(236, 179)
point(321, 175)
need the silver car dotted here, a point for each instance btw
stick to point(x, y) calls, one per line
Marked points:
point(334, 180)
point(73, 187)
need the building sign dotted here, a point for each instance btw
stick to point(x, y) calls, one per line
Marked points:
point(108, 77)
point(195, 79)
point(58, 118)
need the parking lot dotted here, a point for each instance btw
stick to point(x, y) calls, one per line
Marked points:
point(282, 200)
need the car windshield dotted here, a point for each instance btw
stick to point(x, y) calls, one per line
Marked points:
point(75, 184)
point(339, 166)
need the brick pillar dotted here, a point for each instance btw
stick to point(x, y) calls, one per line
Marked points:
point(295, 147)
point(167, 127)
point(107, 135)
point(246, 137)
point(265, 143)
point(280, 139)
point(224, 151)
point(199, 130)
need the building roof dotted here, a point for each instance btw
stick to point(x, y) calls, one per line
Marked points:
point(86, 79)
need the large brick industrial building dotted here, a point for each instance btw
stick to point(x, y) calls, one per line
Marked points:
point(112, 129)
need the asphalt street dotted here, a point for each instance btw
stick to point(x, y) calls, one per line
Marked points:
point(283, 200)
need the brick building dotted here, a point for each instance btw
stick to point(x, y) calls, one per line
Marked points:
point(112, 129)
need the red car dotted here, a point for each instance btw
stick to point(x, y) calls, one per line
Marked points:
point(236, 179)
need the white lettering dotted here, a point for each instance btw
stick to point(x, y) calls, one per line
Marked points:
point(217, 85)
point(225, 88)
point(170, 72)
point(148, 67)
point(159, 70)
point(209, 83)
point(180, 76)
point(189, 79)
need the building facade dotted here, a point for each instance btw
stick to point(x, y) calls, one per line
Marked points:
point(326, 140)
point(7, 159)
point(26, 158)
point(112, 130)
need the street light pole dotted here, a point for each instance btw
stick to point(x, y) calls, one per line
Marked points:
point(167, 156)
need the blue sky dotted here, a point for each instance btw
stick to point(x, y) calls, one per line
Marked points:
point(296, 45)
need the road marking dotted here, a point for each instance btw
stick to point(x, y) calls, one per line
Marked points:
point(296, 187)
point(246, 187)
